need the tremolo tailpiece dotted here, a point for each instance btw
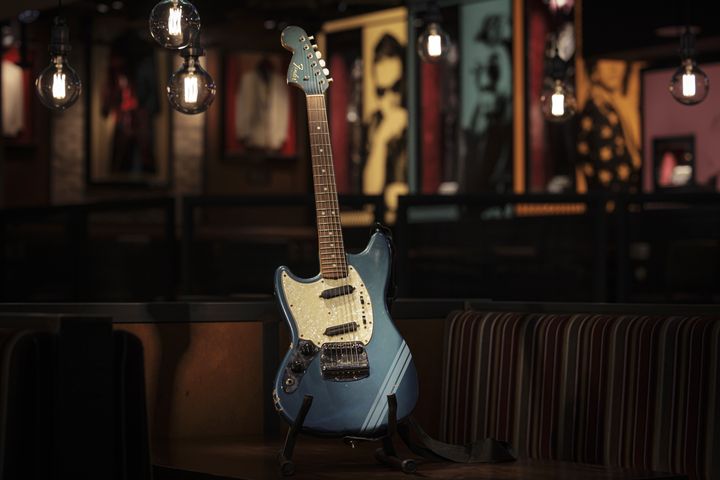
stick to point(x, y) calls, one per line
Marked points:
point(344, 361)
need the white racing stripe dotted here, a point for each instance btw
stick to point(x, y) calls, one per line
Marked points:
point(390, 384)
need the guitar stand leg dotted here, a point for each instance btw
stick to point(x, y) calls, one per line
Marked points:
point(287, 466)
point(387, 453)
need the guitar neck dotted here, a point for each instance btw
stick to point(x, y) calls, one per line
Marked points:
point(333, 263)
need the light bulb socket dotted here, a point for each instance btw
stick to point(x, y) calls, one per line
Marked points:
point(59, 37)
point(557, 67)
point(432, 13)
point(687, 44)
point(194, 49)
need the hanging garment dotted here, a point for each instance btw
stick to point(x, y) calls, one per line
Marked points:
point(13, 112)
point(262, 108)
point(602, 149)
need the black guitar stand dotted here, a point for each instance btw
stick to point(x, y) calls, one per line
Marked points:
point(385, 454)
point(287, 466)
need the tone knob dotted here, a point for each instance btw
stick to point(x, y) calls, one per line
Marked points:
point(307, 349)
point(297, 366)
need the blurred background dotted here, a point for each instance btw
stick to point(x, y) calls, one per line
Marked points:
point(534, 150)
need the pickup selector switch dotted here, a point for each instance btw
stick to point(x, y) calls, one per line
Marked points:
point(307, 349)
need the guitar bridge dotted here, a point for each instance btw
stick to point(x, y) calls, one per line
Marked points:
point(344, 361)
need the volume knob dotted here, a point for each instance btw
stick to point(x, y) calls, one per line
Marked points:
point(297, 366)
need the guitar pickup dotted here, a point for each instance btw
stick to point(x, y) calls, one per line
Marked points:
point(337, 291)
point(340, 329)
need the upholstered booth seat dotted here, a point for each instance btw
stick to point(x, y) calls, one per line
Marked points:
point(622, 390)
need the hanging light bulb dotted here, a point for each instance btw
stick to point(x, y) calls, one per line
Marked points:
point(174, 23)
point(191, 89)
point(558, 100)
point(433, 43)
point(689, 85)
point(58, 86)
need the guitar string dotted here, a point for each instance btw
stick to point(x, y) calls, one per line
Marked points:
point(335, 223)
point(328, 228)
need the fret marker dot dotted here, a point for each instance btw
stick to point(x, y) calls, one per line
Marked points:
point(318, 127)
point(325, 188)
point(323, 170)
point(321, 150)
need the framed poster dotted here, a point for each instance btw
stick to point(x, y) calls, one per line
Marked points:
point(674, 162)
point(368, 103)
point(551, 152)
point(128, 115)
point(486, 87)
point(17, 91)
point(259, 107)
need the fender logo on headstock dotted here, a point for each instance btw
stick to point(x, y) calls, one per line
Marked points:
point(298, 66)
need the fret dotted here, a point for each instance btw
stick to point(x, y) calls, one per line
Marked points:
point(333, 261)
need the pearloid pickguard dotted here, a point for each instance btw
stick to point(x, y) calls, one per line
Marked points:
point(313, 314)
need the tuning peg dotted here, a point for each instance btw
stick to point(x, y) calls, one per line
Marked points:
point(315, 47)
point(310, 37)
point(321, 62)
point(318, 54)
point(330, 80)
point(326, 71)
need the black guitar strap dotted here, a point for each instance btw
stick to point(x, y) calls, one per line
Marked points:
point(480, 451)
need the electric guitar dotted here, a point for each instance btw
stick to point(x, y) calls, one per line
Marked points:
point(345, 350)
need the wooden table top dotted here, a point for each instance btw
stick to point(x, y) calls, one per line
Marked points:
point(332, 459)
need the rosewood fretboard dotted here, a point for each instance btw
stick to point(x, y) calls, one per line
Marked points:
point(333, 263)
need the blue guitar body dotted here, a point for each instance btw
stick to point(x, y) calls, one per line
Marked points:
point(350, 402)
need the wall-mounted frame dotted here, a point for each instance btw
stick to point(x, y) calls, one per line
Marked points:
point(673, 163)
point(128, 118)
point(17, 91)
point(259, 109)
point(472, 103)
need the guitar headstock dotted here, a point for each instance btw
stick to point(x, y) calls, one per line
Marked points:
point(307, 69)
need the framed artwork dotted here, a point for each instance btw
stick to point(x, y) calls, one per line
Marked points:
point(128, 115)
point(486, 93)
point(259, 107)
point(550, 147)
point(368, 103)
point(17, 91)
point(674, 162)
